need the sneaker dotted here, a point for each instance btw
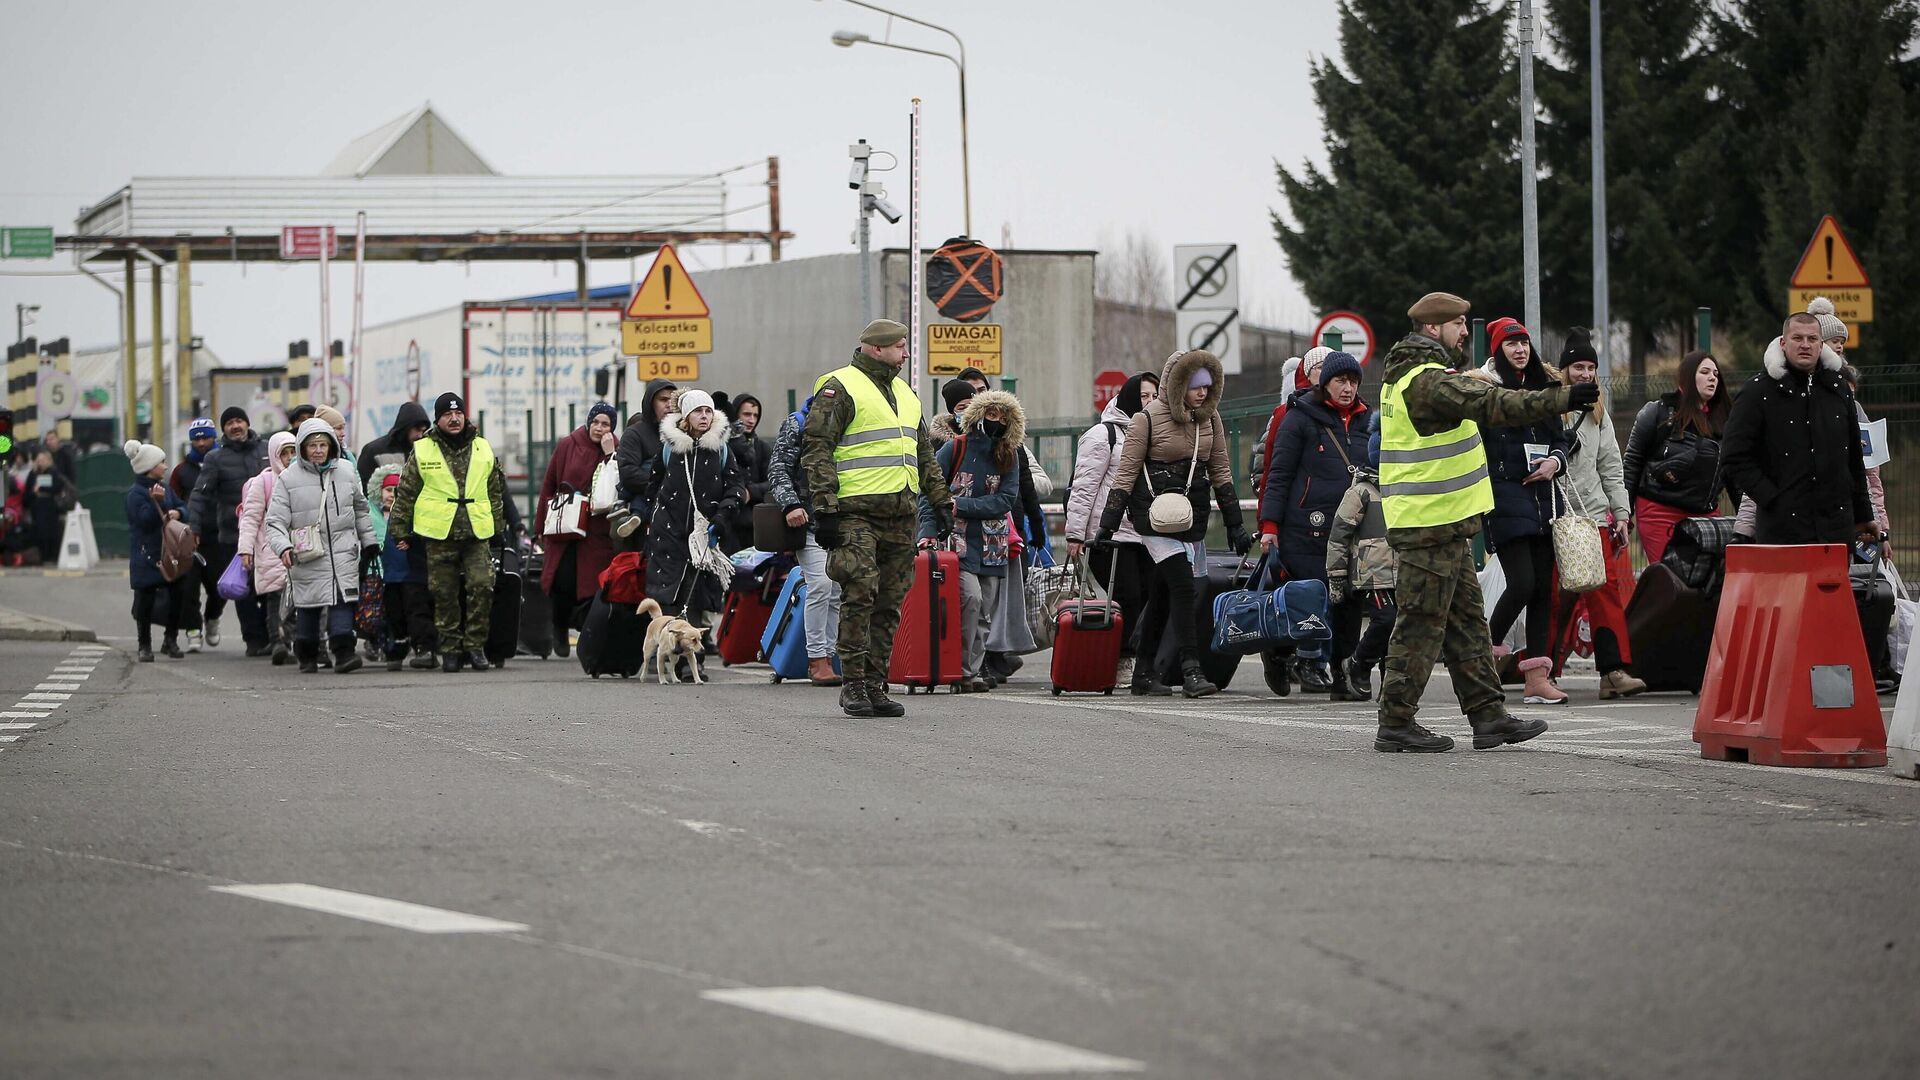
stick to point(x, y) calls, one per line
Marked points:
point(1278, 672)
point(1359, 679)
point(628, 524)
point(193, 640)
point(1148, 686)
point(212, 633)
point(1411, 739)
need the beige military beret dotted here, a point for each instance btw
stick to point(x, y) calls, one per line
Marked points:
point(883, 332)
point(1436, 308)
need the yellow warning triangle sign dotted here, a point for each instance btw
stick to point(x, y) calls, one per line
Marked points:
point(1829, 261)
point(667, 292)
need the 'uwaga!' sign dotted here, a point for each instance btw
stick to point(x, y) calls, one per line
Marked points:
point(954, 347)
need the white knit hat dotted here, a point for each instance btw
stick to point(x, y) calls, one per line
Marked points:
point(144, 456)
point(693, 399)
point(1831, 328)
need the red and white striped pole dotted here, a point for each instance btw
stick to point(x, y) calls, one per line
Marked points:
point(913, 252)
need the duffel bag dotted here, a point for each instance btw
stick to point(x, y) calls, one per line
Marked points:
point(1302, 607)
point(1249, 620)
point(1698, 551)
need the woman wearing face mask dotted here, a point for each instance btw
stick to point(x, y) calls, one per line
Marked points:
point(695, 471)
point(319, 528)
point(269, 574)
point(571, 573)
point(1672, 461)
point(1124, 562)
point(1321, 444)
point(1522, 461)
point(982, 465)
point(1176, 446)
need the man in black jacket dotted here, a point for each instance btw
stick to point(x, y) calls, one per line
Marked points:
point(410, 424)
point(1793, 444)
point(215, 513)
point(638, 459)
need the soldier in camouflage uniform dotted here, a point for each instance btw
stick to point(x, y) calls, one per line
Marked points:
point(1434, 498)
point(453, 498)
point(865, 474)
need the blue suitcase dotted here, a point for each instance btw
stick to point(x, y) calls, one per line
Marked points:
point(783, 645)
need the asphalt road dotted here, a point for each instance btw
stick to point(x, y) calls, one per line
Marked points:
point(1235, 887)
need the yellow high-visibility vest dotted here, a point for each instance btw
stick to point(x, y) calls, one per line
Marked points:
point(433, 510)
point(879, 453)
point(1428, 480)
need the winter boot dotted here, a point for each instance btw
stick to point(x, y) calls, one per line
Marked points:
point(450, 662)
point(1313, 675)
point(854, 700)
point(881, 703)
point(1343, 686)
point(1278, 671)
point(820, 671)
point(346, 659)
point(308, 653)
point(280, 653)
point(395, 663)
point(477, 660)
point(145, 654)
point(1410, 739)
point(1497, 727)
point(423, 660)
point(1540, 689)
point(1618, 683)
point(1193, 681)
point(1359, 678)
point(1145, 685)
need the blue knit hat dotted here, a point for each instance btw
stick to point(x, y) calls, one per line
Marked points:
point(1338, 364)
point(202, 428)
point(602, 407)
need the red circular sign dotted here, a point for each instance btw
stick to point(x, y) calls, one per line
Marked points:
point(1106, 387)
point(1356, 335)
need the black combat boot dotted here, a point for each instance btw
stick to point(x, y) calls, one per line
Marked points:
point(145, 653)
point(1278, 669)
point(1495, 726)
point(422, 660)
point(1144, 684)
point(346, 659)
point(1313, 675)
point(477, 660)
point(854, 700)
point(308, 653)
point(1343, 685)
point(170, 648)
point(1193, 681)
point(1410, 739)
point(450, 662)
point(1359, 679)
point(881, 703)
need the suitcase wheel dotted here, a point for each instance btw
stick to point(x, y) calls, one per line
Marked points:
point(776, 679)
point(596, 674)
point(1108, 691)
point(1056, 691)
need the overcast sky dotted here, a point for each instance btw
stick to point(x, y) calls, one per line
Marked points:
point(1088, 119)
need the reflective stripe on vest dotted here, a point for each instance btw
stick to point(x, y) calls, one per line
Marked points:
point(433, 511)
point(879, 453)
point(1428, 480)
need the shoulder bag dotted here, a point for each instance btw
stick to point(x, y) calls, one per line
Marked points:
point(1171, 512)
point(566, 513)
point(1577, 551)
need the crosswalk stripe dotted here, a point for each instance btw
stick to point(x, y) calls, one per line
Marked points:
point(374, 909)
point(21, 714)
point(18, 727)
point(921, 1031)
point(66, 686)
point(44, 697)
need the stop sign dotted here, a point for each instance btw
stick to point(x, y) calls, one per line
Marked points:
point(1106, 387)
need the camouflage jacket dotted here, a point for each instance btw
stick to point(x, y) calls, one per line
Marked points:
point(1358, 555)
point(1438, 400)
point(458, 450)
point(827, 419)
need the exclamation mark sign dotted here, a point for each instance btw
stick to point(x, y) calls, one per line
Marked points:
point(1829, 259)
point(666, 275)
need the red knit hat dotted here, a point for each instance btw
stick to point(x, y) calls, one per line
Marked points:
point(392, 480)
point(1500, 330)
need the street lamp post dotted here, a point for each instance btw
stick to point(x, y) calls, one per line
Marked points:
point(847, 39)
point(20, 313)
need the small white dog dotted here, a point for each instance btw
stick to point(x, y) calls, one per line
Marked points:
point(669, 640)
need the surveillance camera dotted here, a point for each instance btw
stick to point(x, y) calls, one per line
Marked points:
point(860, 150)
point(858, 174)
point(887, 210)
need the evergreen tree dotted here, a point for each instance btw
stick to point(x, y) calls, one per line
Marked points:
point(1665, 172)
point(1421, 189)
point(1825, 107)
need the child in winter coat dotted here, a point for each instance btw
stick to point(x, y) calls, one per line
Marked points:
point(403, 575)
point(269, 575)
point(983, 471)
point(1361, 573)
point(150, 505)
point(319, 529)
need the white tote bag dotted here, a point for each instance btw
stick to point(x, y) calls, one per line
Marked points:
point(566, 514)
point(606, 488)
point(1577, 550)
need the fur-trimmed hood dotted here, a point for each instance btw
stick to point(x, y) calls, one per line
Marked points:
point(943, 429)
point(1173, 385)
point(1776, 361)
point(1016, 416)
point(680, 442)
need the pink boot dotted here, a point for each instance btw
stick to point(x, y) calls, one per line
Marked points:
point(1540, 689)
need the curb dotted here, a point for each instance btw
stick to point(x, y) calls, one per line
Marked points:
point(20, 626)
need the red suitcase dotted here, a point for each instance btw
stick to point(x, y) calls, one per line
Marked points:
point(926, 648)
point(1086, 640)
point(745, 621)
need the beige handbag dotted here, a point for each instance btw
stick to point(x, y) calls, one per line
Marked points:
point(1171, 513)
point(1577, 551)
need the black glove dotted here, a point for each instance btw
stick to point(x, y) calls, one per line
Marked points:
point(943, 521)
point(826, 530)
point(370, 552)
point(728, 507)
point(1110, 517)
point(1239, 539)
point(1583, 397)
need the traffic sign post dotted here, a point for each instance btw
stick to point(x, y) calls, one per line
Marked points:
point(954, 347)
point(1354, 334)
point(1206, 280)
point(26, 243)
point(1831, 268)
point(667, 317)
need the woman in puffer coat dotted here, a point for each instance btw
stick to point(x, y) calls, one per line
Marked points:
point(1522, 461)
point(696, 470)
point(1673, 462)
point(319, 528)
point(1177, 445)
point(1124, 563)
point(983, 469)
point(151, 503)
point(269, 573)
point(1321, 443)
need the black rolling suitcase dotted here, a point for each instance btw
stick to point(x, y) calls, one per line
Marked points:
point(503, 622)
point(612, 639)
point(536, 608)
point(1671, 627)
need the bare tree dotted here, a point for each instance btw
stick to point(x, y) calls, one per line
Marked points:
point(1133, 327)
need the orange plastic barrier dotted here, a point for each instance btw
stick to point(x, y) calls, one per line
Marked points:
point(1788, 681)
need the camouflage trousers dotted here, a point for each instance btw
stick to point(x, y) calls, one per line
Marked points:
point(457, 570)
point(874, 567)
point(1442, 616)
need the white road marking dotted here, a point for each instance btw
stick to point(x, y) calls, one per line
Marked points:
point(9, 738)
point(44, 697)
point(17, 727)
point(37, 704)
point(374, 909)
point(24, 714)
point(921, 1031)
point(69, 687)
